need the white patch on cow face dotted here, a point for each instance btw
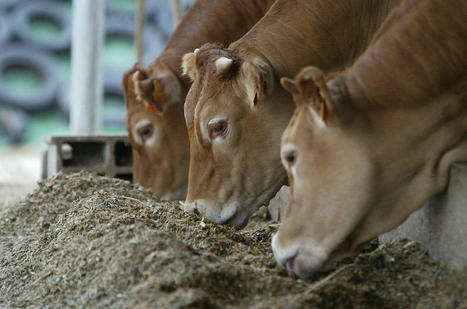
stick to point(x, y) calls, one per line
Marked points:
point(148, 141)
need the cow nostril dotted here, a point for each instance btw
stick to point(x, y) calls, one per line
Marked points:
point(290, 264)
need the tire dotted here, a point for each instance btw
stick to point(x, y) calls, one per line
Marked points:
point(154, 43)
point(8, 5)
point(162, 17)
point(49, 10)
point(4, 29)
point(113, 88)
point(114, 13)
point(119, 16)
point(27, 57)
point(13, 123)
point(112, 118)
point(115, 28)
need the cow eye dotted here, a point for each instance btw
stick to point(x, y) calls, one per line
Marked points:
point(217, 128)
point(146, 132)
point(289, 156)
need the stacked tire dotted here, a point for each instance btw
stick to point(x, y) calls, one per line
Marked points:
point(23, 51)
point(20, 51)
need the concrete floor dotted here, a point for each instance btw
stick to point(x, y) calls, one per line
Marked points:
point(20, 169)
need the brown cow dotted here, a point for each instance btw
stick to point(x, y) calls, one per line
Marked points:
point(236, 114)
point(157, 128)
point(369, 147)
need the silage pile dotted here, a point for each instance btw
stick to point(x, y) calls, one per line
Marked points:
point(90, 241)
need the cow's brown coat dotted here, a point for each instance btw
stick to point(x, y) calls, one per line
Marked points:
point(231, 178)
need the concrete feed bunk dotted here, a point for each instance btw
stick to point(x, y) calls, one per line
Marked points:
point(441, 225)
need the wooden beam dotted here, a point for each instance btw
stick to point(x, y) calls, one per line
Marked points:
point(139, 35)
point(177, 12)
point(86, 68)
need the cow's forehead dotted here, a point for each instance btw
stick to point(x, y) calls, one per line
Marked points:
point(191, 102)
point(196, 97)
point(208, 84)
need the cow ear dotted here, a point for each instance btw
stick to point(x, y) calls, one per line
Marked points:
point(128, 85)
point(312, 88)
point(159, 92)
point(257, 80)
point(189, 65)
point(289, 85)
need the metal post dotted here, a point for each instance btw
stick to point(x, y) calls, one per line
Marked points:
point(86, 74)
point(176, 12)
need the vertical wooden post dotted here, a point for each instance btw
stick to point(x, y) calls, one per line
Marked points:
point(86, 68)
point(139, 35)
point(177, 12)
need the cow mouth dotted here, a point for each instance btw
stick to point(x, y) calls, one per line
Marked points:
point(315, 265)
point(305, 265)
point(239, 219)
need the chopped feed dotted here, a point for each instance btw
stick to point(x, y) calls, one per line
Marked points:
point(89, 241)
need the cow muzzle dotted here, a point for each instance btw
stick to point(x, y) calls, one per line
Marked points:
point(303, 261)
point(229, 213)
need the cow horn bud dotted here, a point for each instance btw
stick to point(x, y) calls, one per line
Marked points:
point(223, 64)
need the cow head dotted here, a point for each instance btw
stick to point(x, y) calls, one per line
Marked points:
point(356, 173)
point(156, 129)
point(234, 118)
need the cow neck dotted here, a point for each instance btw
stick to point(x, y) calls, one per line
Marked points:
point(411, 59)
point(326, 34)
